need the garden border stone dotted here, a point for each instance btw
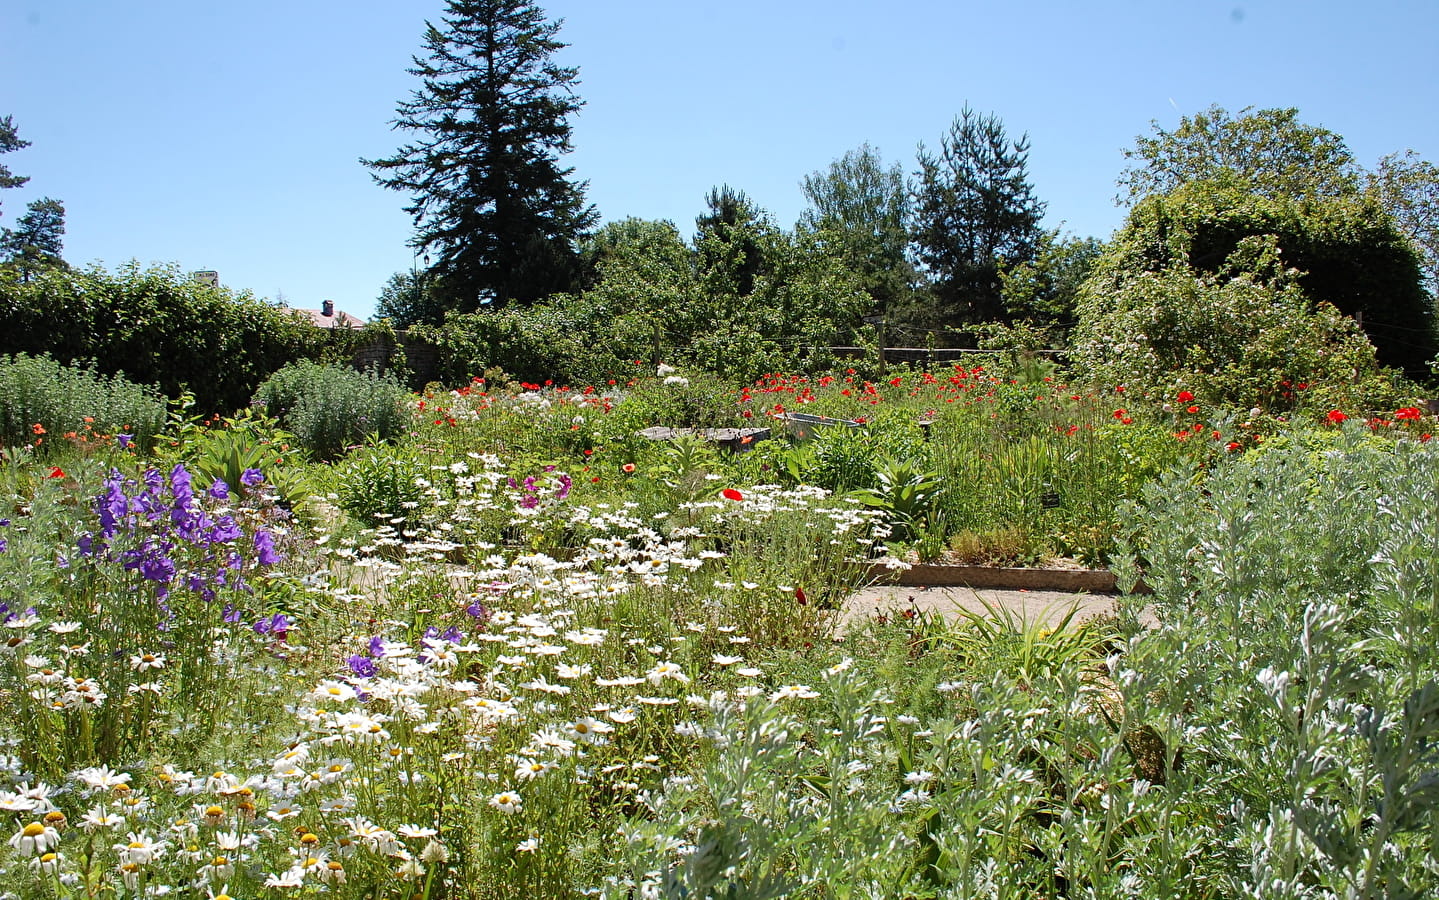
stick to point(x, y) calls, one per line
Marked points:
point(1093, 581)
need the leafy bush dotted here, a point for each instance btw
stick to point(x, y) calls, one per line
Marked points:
point(60, 399)
point(1242, 337)
point(1159, 287)
point(331, 408)
point(382, 484)
point(158, 327)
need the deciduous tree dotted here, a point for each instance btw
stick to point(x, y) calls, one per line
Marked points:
point(860, 208)
point(1268, 152)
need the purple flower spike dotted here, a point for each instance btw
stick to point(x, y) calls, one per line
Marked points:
point(219, 490)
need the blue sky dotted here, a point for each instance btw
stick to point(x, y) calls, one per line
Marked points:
point(227, 136)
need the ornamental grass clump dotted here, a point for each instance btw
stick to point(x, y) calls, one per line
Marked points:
point(47, 406)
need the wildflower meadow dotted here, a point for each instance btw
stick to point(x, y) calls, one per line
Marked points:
point(513, 647)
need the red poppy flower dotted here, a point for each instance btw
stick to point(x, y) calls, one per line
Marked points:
point(1408, 412)
point(56, 472)
point(1185, 397)
point(732, 494)
point(1336, 416)
point(628, 467)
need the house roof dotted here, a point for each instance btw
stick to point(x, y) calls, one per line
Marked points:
point(337, 320)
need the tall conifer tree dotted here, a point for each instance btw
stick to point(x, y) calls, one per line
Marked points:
point(491, 202)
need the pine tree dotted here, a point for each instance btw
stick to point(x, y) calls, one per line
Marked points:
point(10, 141)
point(36, 241)
point(975, 215)
point(491, 202)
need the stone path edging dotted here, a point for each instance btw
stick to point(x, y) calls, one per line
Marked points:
point(1094, 581)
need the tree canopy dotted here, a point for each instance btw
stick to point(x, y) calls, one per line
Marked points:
point(861, 208)
point(1268, 152)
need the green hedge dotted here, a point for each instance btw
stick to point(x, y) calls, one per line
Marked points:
point(156, 326)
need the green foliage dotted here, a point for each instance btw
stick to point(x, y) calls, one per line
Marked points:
point(1044, 290)
point(380, 484)
point(409, 298)
point(157, 326)
point(1199, 284)
point(36, 243)
point(489, 196)
point(860, 208)
point(332, 408)
point(1409, 189)
point(715, 309)
point(1296, 594)
point(37, 390)
point(975, 215)
point(225, 448)
point(10, 142)
point(905, 491)
point(1268, 152)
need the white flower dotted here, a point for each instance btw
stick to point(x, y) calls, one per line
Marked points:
point(507, 802)
point(721, 659)
point(528, 845)
point(796, 691)
point(664, 670)
point(920, 777)
point(142, 661)
point(35, 838)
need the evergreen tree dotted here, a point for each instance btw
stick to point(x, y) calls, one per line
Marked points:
point(36, 241)
point(731, 242)
point(10, 141)
point(491, 202)
point(975, 216)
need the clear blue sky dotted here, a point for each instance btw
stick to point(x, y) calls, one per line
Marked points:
point(226, 136)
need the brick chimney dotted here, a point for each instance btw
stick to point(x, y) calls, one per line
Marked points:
point(327, 308)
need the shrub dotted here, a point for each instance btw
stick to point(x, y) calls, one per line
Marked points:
point(1242, 337)
point(331, 408)
point(1346, 252)
point(61, 400)
point(381, 484)
point(157, 327)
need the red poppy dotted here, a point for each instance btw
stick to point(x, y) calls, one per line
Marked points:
point(732, 494)
point(1336, 416)
point(799, 596)
point(1192, 410)
point(1185, 397)
point(1408, 412)
point(56, 472)
point(37, 428)
point(628, 467)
